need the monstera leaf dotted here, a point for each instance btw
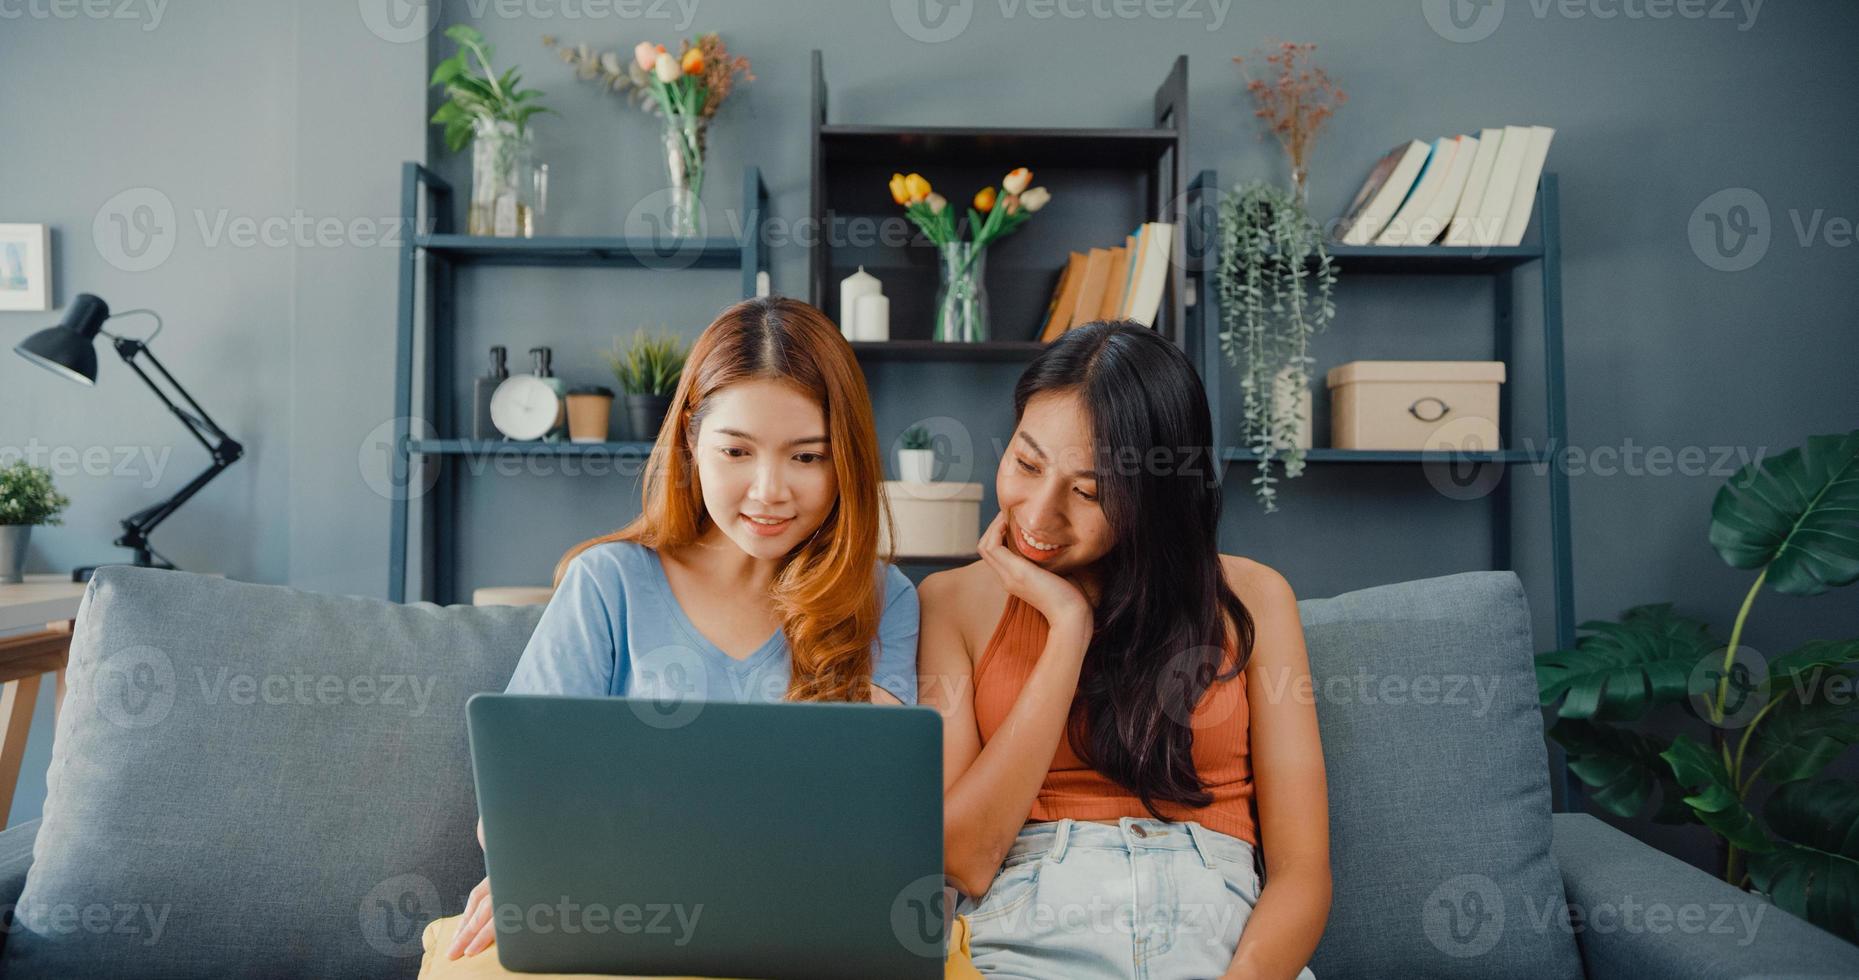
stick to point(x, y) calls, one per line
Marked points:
point(1619, 669)
point(1623, 768)
point(1714, 799)
point(1797, 514)
point(1813, 870)
point(1814, 723)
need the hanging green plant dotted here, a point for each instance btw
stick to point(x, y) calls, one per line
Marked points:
point(1275, 280)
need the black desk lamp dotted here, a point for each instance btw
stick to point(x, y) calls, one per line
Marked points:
point(66, 350)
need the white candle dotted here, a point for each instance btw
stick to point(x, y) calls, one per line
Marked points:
point(874, 317)
point(860, 283)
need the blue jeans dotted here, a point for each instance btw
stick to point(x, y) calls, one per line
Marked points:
point(1147, 899)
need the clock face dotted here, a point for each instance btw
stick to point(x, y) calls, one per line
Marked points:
point(524, 407)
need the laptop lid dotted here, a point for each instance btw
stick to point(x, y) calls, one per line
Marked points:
point(712, 839)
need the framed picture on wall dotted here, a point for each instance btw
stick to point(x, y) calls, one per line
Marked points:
point(25, 267)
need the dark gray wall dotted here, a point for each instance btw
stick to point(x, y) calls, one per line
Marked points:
point(270, 110)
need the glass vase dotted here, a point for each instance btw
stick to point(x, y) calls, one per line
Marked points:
point(685, 138)
point(500, 175)
point(962, 299)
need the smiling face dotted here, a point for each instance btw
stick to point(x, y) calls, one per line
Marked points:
point(1047, 486)
point(765, 466)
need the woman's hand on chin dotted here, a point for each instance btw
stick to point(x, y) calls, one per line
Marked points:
point(1062, 603)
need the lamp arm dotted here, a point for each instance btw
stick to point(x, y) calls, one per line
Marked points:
point(224, 449)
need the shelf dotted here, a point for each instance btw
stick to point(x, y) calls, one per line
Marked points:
point(1324, 455)
point(636, 251)
point(513, 447)
point(948, 561)
point(1446, 260)
point(879, 351)
point(919, 147)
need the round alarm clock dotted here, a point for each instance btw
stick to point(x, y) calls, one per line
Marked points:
point(525, 407)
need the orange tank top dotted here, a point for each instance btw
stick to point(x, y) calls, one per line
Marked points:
point(1222, 743)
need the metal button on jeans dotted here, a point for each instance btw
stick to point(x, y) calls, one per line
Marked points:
point(1138, 831)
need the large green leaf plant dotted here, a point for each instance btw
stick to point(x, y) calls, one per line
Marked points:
point(1794, 520)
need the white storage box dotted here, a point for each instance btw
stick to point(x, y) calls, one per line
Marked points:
point(1415, 404)
point(933, 519)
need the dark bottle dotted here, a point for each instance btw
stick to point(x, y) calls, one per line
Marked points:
point(481, 389)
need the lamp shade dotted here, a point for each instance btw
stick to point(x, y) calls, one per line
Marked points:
point(67, 348)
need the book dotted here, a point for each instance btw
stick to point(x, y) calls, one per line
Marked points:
point(1405, 226)
point(1523, 197)
point(1114, 283)
point(1151, 279)
point(1091, 290)
point(1459, 232)
point(1377, 176)
point(1488, 226)
point(1382, 200)
point(1143, 241)
point(1052, 305)
point(1070, 281)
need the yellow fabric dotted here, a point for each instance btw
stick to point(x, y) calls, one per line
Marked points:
point(438, 936)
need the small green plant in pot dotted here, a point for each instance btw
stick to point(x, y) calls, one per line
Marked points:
point(1793, 518)
point(491, 112)
point(27, 498)
point(916, 457)
point(648, 369)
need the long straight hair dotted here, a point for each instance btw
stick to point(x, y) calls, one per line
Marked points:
point(827, 593)
point(1161, 623)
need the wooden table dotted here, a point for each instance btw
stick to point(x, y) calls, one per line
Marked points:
point(36, 618)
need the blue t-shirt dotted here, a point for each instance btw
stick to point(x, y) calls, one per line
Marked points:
point(614, 628)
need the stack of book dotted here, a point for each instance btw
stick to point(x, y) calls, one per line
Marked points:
point(1125, 282)
point(1457, 190)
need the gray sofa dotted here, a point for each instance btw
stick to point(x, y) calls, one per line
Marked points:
point(253, 781)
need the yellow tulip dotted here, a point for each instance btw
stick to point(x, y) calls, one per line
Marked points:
point(1016, 181)
point(917, 186)
point(899, 192)
point(984, 200)
point(693, 62)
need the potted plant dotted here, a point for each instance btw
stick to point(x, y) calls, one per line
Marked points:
point(1274, 275)
point(27, 497)
point(962, 300)
point(1793, 519)
point(648, 370)
point(492, 112)
point(685, 91)
point(916, 461)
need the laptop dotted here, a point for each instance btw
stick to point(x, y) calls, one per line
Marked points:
point(712, 839)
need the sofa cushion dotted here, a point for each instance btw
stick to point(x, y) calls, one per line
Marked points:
point(1439, 784)
point(251, 780)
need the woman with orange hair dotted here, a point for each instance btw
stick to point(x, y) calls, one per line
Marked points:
point(751, 573)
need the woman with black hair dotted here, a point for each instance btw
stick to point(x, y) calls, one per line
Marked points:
point(1130, 742)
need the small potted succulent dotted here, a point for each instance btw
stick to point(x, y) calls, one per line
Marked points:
point(916, 461)
point(648, 370)
point(27, 497)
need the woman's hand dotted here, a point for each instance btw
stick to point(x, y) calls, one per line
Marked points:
point(1059, 600)
point(476, 931)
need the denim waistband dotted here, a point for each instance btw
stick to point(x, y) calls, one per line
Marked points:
point(1051, 840)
